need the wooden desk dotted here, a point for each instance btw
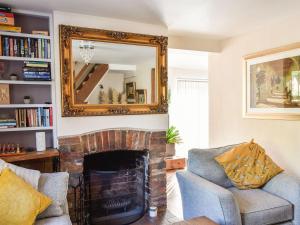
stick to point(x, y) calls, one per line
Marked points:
point(36, 160)
point(197, 221)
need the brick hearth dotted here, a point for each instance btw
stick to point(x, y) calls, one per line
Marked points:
point(73, 149)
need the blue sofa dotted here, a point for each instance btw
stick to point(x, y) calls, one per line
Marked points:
point(207, 191)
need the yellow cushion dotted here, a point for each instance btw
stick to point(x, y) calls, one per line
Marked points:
point(20, 203)
point(248, 166)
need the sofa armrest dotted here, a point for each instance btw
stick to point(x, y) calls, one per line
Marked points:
point(201, 197)
point(288, 188)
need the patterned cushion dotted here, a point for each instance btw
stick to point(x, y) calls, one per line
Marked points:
point(54, 185)
point(248, 166)
point(202, 163)
point(260, 207)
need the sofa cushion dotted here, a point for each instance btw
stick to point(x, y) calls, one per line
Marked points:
point(30, 176)
point(260, 207)
point(202, 162)
point(20, 203)
point(54, 185)
point(59, 220)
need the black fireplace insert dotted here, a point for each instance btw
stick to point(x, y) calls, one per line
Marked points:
point(115, 186)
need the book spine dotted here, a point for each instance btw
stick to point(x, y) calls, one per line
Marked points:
point(29, 47)
point(51, 116)
point(26, 47)
point(11, 47)
point(22, 49)
point(40, 52)
point(6, 46)
point(15, 47)
point(48, 49)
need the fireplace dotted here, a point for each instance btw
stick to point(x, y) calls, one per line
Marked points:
point(115, 186)
point(76, 150)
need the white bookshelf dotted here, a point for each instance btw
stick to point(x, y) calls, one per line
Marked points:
point(15, 129)
point(13, 58)
point(13, 106)
point(42, 20)
point(25, 35)
point(25, 82)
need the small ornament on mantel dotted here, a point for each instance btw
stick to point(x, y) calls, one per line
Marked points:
point(10, 149)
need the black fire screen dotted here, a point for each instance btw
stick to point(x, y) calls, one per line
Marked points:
point(115, 185)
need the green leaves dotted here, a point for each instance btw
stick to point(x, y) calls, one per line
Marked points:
point(173, 136)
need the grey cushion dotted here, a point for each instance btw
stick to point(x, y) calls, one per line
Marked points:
point(60, 220)
point(260, 207)
point(30, 176)
point(202, 163)
point(55, 186)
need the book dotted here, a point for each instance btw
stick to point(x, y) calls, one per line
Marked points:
point(7, 18)
point(36, 64)
point(40, 32)
point(11, 28)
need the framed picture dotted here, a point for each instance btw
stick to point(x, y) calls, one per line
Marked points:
point(272, 84)
point(141, 96)
point(4, 94)
point(130, 92)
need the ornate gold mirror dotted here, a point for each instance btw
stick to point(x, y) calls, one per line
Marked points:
point(111, 73)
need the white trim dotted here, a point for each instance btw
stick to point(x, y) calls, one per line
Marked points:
point(15, 34)
point(24, 129)
point(13, 58)
point(24, 82)
point(13, 106)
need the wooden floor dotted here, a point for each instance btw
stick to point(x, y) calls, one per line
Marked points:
point(163, 218)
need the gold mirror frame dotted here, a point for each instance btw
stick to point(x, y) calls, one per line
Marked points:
point(70, 109)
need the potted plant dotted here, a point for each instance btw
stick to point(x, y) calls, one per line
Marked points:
point(173, 138)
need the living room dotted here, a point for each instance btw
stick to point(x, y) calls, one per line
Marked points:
point(149, 112)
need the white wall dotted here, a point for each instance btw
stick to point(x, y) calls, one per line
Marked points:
point(69, 125)
point(110, 80)
point(280, 138)
point(194, 43)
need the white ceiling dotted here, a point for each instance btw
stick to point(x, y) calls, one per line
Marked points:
point(216, 19)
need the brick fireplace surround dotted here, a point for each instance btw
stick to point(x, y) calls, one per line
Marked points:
point(74, 148)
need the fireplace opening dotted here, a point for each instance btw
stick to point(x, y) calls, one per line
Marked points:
point(115, 186)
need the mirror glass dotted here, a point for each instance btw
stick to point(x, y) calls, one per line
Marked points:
point(113, 73)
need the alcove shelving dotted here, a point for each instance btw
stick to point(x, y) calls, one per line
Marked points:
point(41, 92)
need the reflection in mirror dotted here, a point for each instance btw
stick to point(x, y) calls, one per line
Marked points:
point(113, 73)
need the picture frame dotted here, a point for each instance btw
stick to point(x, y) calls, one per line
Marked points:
point(131, 92)
point(4, 94)
point(272, 84)
point(141, 96)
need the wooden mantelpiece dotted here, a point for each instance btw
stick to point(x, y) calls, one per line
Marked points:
point(37, 160)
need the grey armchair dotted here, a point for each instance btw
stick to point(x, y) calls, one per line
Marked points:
point(206, 191)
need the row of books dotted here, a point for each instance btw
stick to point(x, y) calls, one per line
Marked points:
point(25, 47)
point(36, 71)
point(7, 123)
point(37, 117)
